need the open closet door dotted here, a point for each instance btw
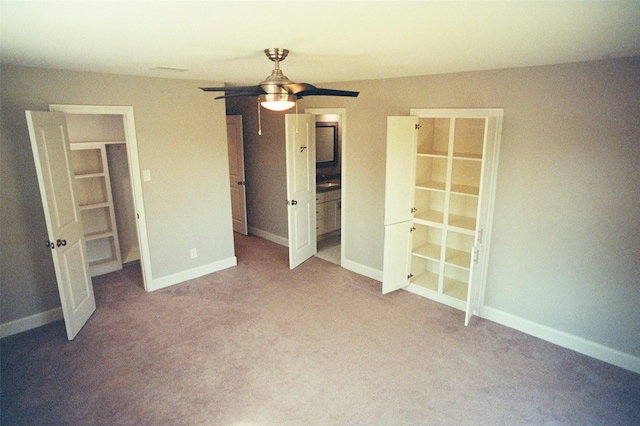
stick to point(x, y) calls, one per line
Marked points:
point(301, 202)
point(52, 157)
point(236, 174)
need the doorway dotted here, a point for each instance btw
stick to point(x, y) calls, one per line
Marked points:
point(115, 229)
point(330, 177)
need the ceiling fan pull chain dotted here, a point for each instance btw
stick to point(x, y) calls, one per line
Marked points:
point(259, 120)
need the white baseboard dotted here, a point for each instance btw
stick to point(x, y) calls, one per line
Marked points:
point(157, 284)
point(566, 340)
point(27, 323)
point(347, 264)
point(358, 268)
point(269, 236)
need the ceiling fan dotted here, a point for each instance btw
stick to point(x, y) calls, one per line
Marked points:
point(277, 92)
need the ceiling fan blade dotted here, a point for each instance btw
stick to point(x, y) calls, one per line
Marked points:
point(316, 91)
point(237, 95)
point(295, 88)
point(257, 90)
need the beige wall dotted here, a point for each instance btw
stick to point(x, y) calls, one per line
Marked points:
point(565, 251)
point(181, 136)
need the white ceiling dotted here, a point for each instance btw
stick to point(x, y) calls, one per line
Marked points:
point(329, 41)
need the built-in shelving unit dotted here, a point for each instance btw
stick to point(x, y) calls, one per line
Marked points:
point(93, 189)
point(440, 166)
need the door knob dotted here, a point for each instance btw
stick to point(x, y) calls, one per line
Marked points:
point(61, 243)
point(50, 245)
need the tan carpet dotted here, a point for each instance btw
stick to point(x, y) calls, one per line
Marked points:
point(259, 344)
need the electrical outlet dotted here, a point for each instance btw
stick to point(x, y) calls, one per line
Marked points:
point(194, 253)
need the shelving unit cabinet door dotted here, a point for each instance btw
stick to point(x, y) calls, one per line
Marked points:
point(400, 169)
point(397, 256)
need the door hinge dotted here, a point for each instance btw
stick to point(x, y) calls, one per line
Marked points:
point(413, 228)
point(480, 232)
point(409, 276)
point(413, 210)
point(418, 127)
point(476, 255)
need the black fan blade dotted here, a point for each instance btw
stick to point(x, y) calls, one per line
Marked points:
point(257, 90)
point(237, 95)
point(316, 91)
point(295, 88)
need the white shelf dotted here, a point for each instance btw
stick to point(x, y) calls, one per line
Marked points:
point(459, 258)
point(465, 190)
point(427, 280)
point(470, 157)
point(98, 235)
point(463, 223)
point(430, 217)
point(84, 207)
point(434, 154)
point(80, 145)
point(437, 186)
point(454, 288)
point(428, 251)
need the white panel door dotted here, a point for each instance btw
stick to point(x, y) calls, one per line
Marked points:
point(236, 173)
point(402, 137)
point(301, 202)
point(397, 256)
point(52, 157)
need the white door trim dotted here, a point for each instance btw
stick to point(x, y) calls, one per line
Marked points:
point(134, 172)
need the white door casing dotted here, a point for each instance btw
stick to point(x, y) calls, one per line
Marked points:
point(52, 157)
point(236, 173)
point(301, 203)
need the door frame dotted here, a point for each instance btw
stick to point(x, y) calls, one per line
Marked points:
point(342, 112)
point(134, 172)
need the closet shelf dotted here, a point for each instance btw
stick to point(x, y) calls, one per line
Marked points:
point(98, 235)
point(79, 145)
point(94, 206)
point(433, 185)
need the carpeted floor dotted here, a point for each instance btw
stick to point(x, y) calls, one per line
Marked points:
point(259, 344)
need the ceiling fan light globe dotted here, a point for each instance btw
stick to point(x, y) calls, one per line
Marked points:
point(277, 102)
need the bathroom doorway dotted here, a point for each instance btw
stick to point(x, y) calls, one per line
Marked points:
point(330, 182)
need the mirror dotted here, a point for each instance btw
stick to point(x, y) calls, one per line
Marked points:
point(327, 144)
